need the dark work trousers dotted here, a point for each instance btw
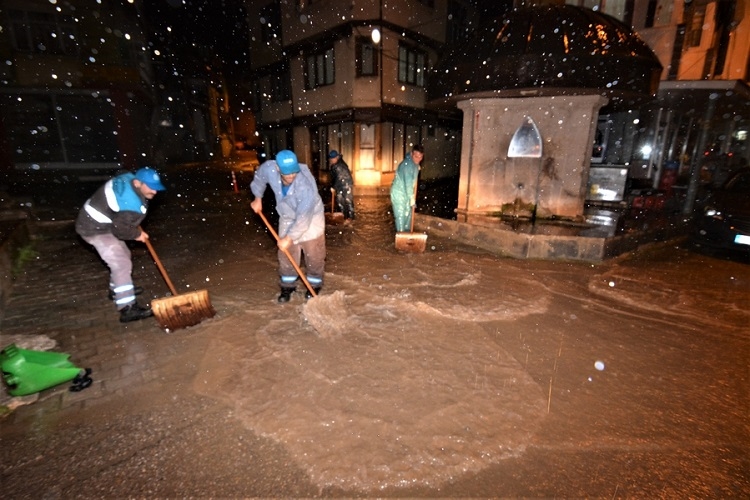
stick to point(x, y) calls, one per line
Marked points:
point(315, 262)
point(345, 201)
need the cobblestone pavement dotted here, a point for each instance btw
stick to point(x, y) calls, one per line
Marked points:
point(141, 374)
point(666, 419)
point(198, 223)
point(62, 291)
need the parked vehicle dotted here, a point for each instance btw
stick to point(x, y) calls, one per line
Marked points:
point(723, 216)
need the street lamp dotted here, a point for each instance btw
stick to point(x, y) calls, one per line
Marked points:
point(377, 40)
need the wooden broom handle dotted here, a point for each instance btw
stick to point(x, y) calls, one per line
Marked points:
point(288, 256)
point(161, 268)
point(413, 207)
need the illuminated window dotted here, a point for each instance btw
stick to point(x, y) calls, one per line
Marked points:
point(695, 28)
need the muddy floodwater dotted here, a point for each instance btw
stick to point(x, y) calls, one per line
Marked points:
point(449, 373)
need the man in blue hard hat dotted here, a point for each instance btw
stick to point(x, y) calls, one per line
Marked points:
point(112, 216)
point(301, 219)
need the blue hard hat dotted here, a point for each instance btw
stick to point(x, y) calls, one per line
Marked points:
point(333, 154)
point(150, 177)
point(287, 162)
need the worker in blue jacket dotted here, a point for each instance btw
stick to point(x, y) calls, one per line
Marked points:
point(301, 219)
point(112, 216)
point(404, 188)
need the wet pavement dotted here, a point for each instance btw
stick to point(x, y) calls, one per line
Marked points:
point(454, 373)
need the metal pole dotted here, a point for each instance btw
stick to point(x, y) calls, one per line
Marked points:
point(381, 70)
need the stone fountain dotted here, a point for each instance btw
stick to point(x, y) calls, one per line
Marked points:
point(531, 86)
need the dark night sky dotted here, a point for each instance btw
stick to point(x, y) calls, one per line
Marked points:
point(215, 31)
point(201, 30)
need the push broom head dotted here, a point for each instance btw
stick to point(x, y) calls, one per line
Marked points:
point(411, 242)
point(182, 311)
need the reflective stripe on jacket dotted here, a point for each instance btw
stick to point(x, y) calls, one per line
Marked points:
point(301, 209)
point(116, 207)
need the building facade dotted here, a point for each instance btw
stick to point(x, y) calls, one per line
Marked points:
point(350, 76)
point(75, 85)
point(88, 85)
point(696, 130)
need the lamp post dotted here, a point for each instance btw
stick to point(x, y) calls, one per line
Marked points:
point(377, 39)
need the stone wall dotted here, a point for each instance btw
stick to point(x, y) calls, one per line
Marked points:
point(554, 184)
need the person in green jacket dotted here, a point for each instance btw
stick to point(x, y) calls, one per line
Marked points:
point(403, 188)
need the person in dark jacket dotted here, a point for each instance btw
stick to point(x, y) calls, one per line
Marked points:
point(341, 179)
point(111, 216)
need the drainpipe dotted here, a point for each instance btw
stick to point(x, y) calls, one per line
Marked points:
point(695, 162)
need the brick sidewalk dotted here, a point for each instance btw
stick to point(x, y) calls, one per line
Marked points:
point(62, 294)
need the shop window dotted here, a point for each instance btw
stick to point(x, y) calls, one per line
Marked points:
point(366, 146)
point(57, 128)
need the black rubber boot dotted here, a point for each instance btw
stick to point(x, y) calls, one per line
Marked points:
point(286, 294)
point(316, 289)
point(82, 381)
point(134, 312)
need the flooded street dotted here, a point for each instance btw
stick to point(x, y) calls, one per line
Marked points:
point(453, 373)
